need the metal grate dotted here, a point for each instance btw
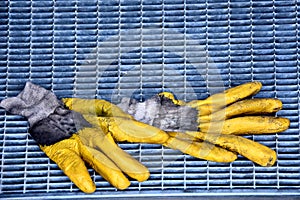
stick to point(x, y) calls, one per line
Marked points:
point(136, 48)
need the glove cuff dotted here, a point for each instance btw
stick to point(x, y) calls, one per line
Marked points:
point(162, 113)
point(49, 120)
point(34, 102)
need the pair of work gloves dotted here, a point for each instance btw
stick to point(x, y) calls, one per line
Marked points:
point(74, 131)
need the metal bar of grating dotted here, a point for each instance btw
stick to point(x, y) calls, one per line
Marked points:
point(137, 48)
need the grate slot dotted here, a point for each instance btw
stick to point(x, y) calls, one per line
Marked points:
point(136, 48)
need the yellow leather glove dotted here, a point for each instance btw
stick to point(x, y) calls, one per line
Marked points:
point(70, 139)
point(218, 120)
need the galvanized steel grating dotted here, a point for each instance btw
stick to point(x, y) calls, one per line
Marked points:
point(111, 49)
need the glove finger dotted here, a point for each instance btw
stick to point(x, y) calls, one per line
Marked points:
point(105, 167)
point(247, 125)
point(132, 131)
point(252, 150)
point(256, 106)
point(198, 149)
point(66, 154)
point(229, 96)
point(97, 107)
point(96, 138)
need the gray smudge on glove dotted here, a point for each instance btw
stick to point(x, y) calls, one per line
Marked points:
point(162, 113)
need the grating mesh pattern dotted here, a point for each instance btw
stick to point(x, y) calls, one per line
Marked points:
point(136, 48)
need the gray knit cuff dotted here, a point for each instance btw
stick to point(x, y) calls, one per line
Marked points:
point(34, 102)
point(162, 113)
